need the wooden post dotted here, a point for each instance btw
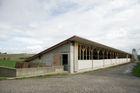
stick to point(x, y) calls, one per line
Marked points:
point(107, 54)
point(89, 54)
point(76, 56)
point(79, 52)
point(83, 50)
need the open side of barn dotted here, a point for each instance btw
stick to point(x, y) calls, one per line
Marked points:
point(77, 54)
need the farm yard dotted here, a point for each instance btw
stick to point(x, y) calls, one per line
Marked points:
point(9, 60)
point(117, 80)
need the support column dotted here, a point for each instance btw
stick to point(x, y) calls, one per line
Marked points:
point(89, 54)
point(79, 52)
point(98, 56)
point(71, 63)
point(92, 51)
point(76, 56)
point(86, 53)
point(83, 50)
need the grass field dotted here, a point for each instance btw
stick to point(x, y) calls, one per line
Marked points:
point(13, 58)
point(16, 55)
point(8, 63)
point(136, 70)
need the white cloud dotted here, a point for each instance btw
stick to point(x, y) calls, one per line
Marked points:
point(34, 49)
point(47, 22)
point(27, 40)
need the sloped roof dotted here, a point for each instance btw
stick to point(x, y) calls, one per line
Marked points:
point(78, 39)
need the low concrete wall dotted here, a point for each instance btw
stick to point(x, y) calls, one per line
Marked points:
point(38, 71)
point(7, 72)
point(26, 72)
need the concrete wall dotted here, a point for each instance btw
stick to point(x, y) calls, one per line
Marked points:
point(7, 72)
point(26, 72)
point(84, 65)
point(48, 58)
point(38, 71)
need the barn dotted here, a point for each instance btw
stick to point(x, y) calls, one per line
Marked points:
point(78, 54)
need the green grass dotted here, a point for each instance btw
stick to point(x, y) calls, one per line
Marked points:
point(11, 55)
point(40, 76)
point(13, 58)
point(136, 70)
point(43, 76)
point(8, 63)
point(3, 78)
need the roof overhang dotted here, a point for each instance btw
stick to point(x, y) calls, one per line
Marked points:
point(80, 40)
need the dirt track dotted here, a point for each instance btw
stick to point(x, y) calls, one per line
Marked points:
point(111, 80)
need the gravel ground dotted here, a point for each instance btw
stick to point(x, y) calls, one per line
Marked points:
point(111, 80)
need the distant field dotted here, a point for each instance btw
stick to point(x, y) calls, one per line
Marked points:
point(8, 63)
point(9, 60)
point(16, 55)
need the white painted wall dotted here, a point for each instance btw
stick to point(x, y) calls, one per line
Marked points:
point(84, 65)
point(97, 63)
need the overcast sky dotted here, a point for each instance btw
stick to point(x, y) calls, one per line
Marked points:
point(30, 26)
